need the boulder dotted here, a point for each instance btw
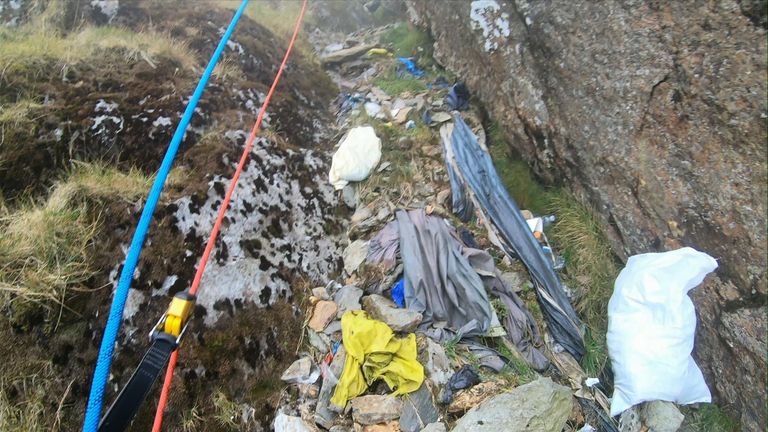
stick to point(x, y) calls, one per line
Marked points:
point(384, 309)
point(373, 409)
point(540, 406)
point(674, 155)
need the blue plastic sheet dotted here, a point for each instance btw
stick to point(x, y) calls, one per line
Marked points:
point(398, 293)
point(458, 97)
point(411, 67)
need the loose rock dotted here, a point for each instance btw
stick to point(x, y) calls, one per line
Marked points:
point(437, 366)
point(286, 423)
point(418, 410)
point(321, 293)
point(301, 371)
point(538, 406)
point(324, 312)
point(348, 298)
point(361, 214)
point(354, 255)
point(319, 341)
point(661, 416)
point(392, 426)
point(383, 309)
point(435, 427)
point(373, 409)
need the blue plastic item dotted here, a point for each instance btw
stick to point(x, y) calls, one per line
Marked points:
point(101, 373)
point(411, 67)
point(398, 293)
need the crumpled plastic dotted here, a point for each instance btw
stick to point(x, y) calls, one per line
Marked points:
point(464, 378)
point(373, 352)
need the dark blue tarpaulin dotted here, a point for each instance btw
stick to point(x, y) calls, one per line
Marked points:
point(474, 171)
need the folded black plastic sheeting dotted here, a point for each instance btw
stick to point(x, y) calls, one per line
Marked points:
point(476, 173)
point(460, 203)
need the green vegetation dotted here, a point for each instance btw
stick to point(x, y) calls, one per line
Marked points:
point(591, 267)
point(408, 41)
point(709, 418)
point(394, 86)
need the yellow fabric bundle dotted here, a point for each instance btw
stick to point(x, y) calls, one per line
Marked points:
point(374, 352)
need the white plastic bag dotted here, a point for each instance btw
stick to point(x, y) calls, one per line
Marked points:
point(358, 154)
point(651, 326)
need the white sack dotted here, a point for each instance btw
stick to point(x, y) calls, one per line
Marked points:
point(651, 326)
point(358, 154)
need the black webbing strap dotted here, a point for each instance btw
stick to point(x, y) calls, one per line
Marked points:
point(127, 404)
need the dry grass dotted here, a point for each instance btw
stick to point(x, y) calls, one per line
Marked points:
point(32, 50)
point(45, 245)
point(280, 19)
point(227, 413)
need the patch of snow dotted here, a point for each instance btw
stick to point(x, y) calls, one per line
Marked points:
point(132, 303)
point(15, 4)
point(144, 100)
point(58, 132)
point(167, 284)
point(486, 15)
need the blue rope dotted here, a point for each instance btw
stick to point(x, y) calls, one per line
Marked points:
point(101, 373)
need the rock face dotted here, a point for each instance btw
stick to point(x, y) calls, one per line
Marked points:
point(540, 406)
point(654, 113)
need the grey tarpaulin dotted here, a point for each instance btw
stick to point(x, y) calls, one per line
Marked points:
point(439, 281)
point(474, 168)
point(461, 205)
point(519, 323)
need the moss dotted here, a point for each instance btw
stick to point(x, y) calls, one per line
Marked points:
point(710, 418)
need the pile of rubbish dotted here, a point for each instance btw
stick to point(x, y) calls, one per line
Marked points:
point(426, 330)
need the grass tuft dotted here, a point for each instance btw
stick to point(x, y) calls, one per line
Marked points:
point(226, 412)
point(45, 246)
point(394, 86)
point(30, 51)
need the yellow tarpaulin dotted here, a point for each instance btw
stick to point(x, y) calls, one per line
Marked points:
point(373, 352)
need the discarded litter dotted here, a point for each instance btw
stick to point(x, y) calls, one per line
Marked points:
point(591, 382)
point(651, 326)
point(411, 67)
point(464, 378)
point(358, 154)
point(398, 293)
point(475, 173)
point(410, 124)
point(373, 352)
point(440, 283)
point(458, 97)
point(377, 51)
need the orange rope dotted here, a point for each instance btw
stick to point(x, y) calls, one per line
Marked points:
point(220, 217)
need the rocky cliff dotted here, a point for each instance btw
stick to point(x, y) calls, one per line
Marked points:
point(655, 114)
